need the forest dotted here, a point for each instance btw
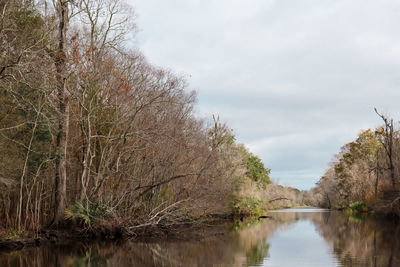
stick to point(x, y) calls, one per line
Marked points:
point(364, 175)
point(93, 136)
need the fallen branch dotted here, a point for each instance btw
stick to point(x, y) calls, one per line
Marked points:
point(279, 198)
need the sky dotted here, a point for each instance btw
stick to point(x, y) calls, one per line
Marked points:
point(295, 80)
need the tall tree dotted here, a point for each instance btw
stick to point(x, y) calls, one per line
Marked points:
point(63, 111)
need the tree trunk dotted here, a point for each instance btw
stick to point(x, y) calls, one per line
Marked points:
point(61, 142)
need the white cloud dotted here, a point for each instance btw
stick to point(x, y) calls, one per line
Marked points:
point(295, 79)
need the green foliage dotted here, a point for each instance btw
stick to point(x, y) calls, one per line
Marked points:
point(15, 234)
point(249, 206)
point(87, 213)
point(367, 144)
point(258, 253)
point(363, 150)
point(256, 170)
point(359, 206)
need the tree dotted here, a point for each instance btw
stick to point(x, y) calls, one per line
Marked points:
point(256, 169)
point(388, 142)
point(88, 126)
point(60, 61)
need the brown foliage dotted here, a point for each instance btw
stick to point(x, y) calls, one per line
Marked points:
point(87, 124)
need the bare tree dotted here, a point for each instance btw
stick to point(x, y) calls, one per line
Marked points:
point(388, 134)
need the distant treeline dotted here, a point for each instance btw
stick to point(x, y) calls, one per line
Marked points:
point(365, 175)
point(91, 133)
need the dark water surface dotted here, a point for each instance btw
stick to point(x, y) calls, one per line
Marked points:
point(293, 237)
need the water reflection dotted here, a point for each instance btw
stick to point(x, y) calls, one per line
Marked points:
point(291, 238)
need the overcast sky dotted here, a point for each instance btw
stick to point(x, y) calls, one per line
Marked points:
point(296, 80)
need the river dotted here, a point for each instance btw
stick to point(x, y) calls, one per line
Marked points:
point(290, 238)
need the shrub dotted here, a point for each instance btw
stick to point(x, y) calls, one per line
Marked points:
point(359, 206)
point(249, 206)
point(86, 213)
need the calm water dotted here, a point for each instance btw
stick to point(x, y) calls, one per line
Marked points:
point(293, 237)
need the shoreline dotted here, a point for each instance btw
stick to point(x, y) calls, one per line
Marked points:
point(183, 231)
point(65, 235)
point(179, 231)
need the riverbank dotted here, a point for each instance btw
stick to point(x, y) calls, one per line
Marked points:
point(383, 208)
point(68, 233)
point(179, 231)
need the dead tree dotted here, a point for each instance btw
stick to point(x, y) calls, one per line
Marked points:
point(388, 144)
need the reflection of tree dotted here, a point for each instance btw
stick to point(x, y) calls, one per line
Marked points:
point(75, 255)
point(245, 246)
point(359, 241)
point(355, 241)
point(92, 256)
point(258, 253)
